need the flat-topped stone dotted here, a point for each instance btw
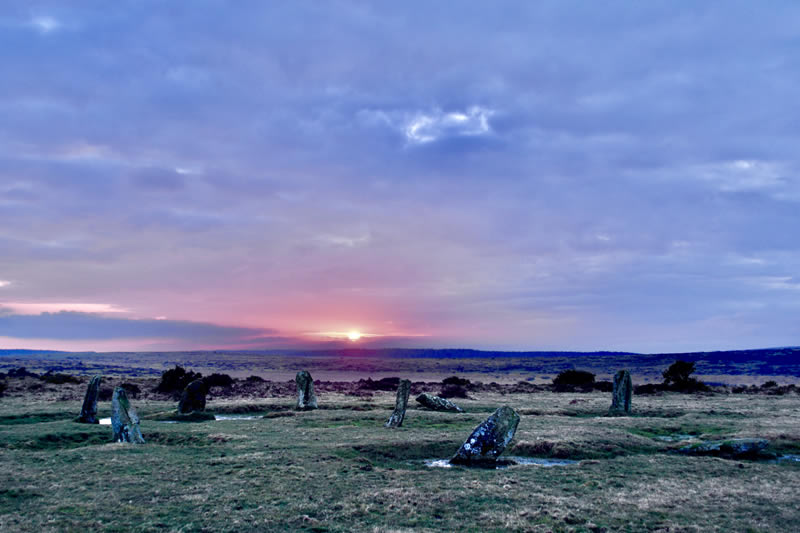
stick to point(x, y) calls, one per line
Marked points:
point(729, 448)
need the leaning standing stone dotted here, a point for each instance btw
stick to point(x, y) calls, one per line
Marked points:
point(306, 399)
point(623, 390)
point(124, 420)
point(193, 397)
point(89, 409)
point(436, 403)
point(400, 403)
point(489, 439)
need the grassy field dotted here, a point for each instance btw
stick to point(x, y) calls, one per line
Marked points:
point(339, 469)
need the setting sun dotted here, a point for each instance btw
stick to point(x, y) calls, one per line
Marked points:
point(354, 335)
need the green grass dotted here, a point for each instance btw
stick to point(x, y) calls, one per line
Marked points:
point(338, 469)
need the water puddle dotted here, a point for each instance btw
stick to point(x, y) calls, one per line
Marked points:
point(677, 437)
point(105, 421)
point(237, 417)
point(788, 457)
point(506, 462)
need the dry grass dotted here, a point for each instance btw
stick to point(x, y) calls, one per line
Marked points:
point(339, 469)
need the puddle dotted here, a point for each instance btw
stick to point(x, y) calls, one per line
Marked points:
point(677, 437)
point(237, 417)
point(789, 457)
point(505, 462)
point(105, 421)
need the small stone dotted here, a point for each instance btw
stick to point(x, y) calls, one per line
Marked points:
point(306, 399)
point(400, 404)
point(89, 410)
point(621, 395)
point(728, 449)
point(193, 397)
point(124, 420)
point(436, 403)
point(489, 439)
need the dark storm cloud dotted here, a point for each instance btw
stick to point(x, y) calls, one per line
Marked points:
point(69, 325)
point(475, 167)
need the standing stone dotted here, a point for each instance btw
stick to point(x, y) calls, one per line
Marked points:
point(488, 440)
point(400, 403)
point(89, 409)
point(436, 403)
point(193, 397)
point(306, 399)
point(124, 420)
point(623, 390)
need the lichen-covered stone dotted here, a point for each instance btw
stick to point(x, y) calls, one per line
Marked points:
point(622, 392)
point(729, 449)
point(124, 420)
point(193, 397)
point(89, 409)
point(436, 403)
point(306, 399)
point(489, 439)
point(400, 403)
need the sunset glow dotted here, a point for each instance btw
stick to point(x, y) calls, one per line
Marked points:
point(354, 335)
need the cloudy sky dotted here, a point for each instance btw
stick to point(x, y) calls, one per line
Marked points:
point(505, 175)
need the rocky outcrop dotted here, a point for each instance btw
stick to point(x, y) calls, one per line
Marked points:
point(728, 449)
point(306, 399)
point(400, 403)
point(193, 397)
point(489, 439)
point(89, 409)
point(622, 393)
point(124, 420)
point(435, 403)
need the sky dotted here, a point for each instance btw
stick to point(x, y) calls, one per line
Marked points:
point(550, 175)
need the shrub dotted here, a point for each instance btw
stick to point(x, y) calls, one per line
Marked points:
point(385, 384)
point(131, 389)
point(678, 377)
point(21, 372)
point(218, 380)
point(176, 379)
point(255, 379)
point(105, 394)
point(58, 379)
point(603, 386)
point(3, 387)
point(569, 379)
point(453, 391)
point(769, 385)
point(455, 380)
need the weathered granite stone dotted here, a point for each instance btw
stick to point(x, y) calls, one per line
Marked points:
point(622, 392)
point(89, 410)
point(193, 397)
point(400, 403)
point(124, 420)
point(436, 403)
point(729, 449)
point(489, 439)
point(306, 399)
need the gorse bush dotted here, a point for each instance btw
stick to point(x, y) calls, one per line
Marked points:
point(176, 379)
point(218, 380)
point(455, 380)
point(573, 378)
point(678, 377)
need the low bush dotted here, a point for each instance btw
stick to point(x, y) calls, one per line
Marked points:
point(58, 379)
point(453, 391)
point(455, 380)
point(3, 387)
point(176, 379)
point(571, 379)
point(131, 389)
point(255, 379)
point(218, 380)
point(384, 384)
point(21, 372)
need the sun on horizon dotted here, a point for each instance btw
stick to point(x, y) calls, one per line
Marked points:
point(354, 335)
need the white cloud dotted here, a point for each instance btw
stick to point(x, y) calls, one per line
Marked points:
point(35, 308)
point(742, 174)
point(45, 24)
point(428, 127)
